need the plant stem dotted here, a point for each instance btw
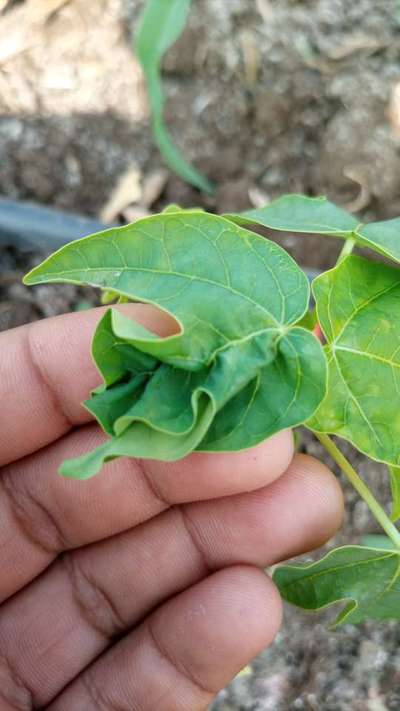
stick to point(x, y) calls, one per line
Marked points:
point(347, 249)
point(351, 474)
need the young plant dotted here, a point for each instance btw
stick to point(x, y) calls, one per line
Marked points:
point(160, 26)
point(244, 363)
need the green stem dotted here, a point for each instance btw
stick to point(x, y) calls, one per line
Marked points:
point(347, 249)
point(351, 474)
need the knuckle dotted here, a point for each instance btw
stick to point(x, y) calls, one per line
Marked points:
point(179, 668)
point(32, 516)
point(152, 485)
point(98, 698)
point(35, 358)
point(12, 689)
point(94, 603)
point(194, 537)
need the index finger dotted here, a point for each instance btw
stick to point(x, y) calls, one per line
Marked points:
point(47, 371)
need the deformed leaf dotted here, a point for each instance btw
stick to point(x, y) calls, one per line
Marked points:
point(367, 579)
point(358, 307)
point(239, 369)
point(298, 213)
point(161, 24)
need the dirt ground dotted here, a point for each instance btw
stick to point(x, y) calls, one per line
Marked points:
point(265, 97)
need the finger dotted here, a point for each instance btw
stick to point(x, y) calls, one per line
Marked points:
point(96, 593)
point(42, 514)
point(47, 371)
point(186, 651)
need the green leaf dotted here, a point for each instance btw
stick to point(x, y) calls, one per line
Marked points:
point(160, 26)
point(177, 208)
point(382, 237)
point(395, 489)
point(367, 579)
point(375, 540)
point(309, 320)
point(298, 213)
point(239, 369)
point(358, 307)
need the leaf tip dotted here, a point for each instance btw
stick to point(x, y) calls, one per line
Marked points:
point(29, 278)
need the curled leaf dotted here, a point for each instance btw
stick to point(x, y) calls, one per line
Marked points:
point(239, 369)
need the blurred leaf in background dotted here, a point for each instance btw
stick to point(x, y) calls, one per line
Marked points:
point(161, 24)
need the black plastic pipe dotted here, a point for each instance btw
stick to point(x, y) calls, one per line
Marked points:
point(36, 228)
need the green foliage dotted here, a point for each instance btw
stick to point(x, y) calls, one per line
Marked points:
point(368, 579)
point(297, 213)
point(375, 540)
point(394, 473)
point(238, 370)
point(357, 303)
point(161, 24)
point(244, 363)
point(382, 237)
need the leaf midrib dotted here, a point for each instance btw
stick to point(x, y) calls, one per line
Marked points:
point(60, 275)
point(338, 568)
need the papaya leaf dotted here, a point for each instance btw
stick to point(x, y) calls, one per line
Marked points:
point(238, 370)
point(298, 213)
point(160, 26)
point(358, 308)
point(395, 489)
point(367, 579)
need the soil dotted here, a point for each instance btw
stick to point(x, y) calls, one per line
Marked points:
point(265, 97)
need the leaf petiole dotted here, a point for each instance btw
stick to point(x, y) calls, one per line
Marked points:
point(347, 249)
point(351, 474)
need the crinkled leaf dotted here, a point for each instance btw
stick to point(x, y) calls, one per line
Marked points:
point(395, 489)
point(238, 370)
point(368, 579)
point(161, 24)
point(298, 213)
point(358, 306)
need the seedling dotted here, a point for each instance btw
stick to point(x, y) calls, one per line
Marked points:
point(244, 363)
point(160, 26)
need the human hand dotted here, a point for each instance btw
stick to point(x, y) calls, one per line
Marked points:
point(140, 588)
